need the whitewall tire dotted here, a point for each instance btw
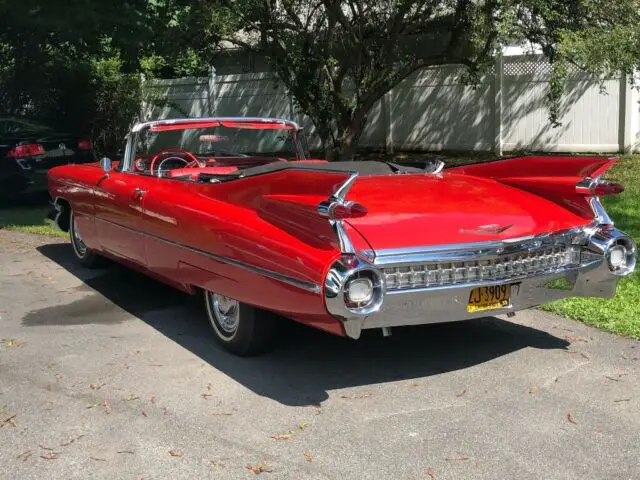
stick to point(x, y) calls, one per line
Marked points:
point(240, 328)
point(83, 254)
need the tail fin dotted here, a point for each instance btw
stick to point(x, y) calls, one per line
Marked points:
point(571, 181)
point(539, 166)
point(335, 208)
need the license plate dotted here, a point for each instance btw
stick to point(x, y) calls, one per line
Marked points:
point(489, 298)
point(57, 153)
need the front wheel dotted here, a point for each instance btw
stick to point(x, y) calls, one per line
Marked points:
point(86, 257)
point(240, 328)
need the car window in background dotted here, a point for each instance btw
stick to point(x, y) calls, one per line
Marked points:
point(19, 127)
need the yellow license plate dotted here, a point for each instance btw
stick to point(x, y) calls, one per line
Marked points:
point(489, 298)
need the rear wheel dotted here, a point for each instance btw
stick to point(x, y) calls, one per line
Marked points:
point(240, 328)
point(85, 256)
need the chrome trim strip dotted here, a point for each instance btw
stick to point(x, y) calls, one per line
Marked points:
point(586, 185)
point(177, 121)
point(58, 209)
point(438, 168)
point(127, 161)
point(477, 250)
point(343, 189)
point(600, 214)
point(343, 238)
point(338, 198)
point(302, 284)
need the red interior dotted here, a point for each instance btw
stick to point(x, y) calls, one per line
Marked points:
point(222, 165)
point(194, 172)
point(243, 162)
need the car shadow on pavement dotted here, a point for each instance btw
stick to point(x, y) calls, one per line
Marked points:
point(307, 363)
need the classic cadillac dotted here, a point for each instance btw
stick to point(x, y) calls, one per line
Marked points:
point(234, 208)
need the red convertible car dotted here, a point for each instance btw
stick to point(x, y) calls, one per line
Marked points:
point(235, 209)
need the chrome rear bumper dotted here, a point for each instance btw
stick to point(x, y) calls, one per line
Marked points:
point(436, 304)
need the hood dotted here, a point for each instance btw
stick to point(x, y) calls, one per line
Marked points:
point(422, 210)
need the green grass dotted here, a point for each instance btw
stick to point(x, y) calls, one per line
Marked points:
point(621, 314)
point(28, 219)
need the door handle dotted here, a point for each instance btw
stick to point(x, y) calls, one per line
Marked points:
point(137, 194)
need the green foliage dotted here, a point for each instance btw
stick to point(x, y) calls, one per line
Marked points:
point(117, 102)
point(77, 64)
point(339, 58)
point(29, 219)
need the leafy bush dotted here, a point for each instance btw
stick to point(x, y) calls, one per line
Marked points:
point(89, 95)
point(116, 103)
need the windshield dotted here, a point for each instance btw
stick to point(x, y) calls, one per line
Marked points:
point(219, 141)
point(214, 147)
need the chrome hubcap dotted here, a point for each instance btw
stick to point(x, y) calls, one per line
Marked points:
point(226, 312)
point(80, 246)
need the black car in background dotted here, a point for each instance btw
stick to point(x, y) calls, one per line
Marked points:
point(29, 149)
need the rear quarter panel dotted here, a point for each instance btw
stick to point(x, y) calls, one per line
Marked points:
point(553, 177)
point(74, 184)
point(235, 221)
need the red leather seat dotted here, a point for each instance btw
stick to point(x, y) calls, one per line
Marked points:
point(194, 172)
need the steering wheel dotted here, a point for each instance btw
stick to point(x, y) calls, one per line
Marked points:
point(170, 154)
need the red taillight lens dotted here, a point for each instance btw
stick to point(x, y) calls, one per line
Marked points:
point(340, 211)
point(29, 150)
point(85, 145)
point(608, 188)
point(599, 188)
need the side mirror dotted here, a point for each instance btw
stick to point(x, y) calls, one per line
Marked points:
point(105, 163)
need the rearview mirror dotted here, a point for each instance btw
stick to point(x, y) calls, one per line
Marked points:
point(105, 163)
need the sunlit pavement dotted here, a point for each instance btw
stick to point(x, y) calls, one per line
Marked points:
point(108, 374)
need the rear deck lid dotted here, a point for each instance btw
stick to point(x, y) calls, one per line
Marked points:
point(423, 210)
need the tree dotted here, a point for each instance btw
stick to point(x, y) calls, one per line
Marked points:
point(76, 64)
point(338, 58)
point(48, 52)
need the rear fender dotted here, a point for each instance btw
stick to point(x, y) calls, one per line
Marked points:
point(539, 166)
point(553, 177)
point(60, 213)
point(291, 199)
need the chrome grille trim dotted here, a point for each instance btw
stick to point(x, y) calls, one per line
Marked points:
point(481, 250)
point(506, 267)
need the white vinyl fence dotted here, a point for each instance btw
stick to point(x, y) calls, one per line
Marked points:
point(433, 110)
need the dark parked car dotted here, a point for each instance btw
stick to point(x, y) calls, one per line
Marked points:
point(29, 149)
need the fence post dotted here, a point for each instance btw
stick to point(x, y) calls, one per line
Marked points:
point(387, 121)
point(292, 107)
point(143, 93)
point(628, 113)
point(212, 90)
point(498, 83)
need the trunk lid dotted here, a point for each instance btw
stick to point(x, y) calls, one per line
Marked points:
point(423, 210)
point(59, 148)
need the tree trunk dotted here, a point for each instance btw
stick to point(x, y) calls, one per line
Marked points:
point(349, 132)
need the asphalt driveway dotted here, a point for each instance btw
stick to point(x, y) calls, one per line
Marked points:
point(108, 374)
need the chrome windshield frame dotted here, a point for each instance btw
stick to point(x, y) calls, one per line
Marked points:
point(294, 130)
point(177, 121)
point(128, 152)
